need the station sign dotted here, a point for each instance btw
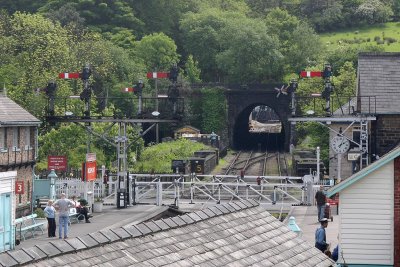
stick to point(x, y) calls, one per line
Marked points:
point(90, 157)
point(19, 187)
point(57, 163)
point(89, 171)
point(353, 156)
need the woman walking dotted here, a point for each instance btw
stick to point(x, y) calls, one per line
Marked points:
point(50, 211)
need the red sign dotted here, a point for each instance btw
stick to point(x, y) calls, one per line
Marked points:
point(57, 163)
point(157, 75)
point(310, 74)
point(69, 75)
point(128, 89)
point(19, 187)
point(90, 171)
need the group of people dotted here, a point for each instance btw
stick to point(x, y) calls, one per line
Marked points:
point(320, 234)
point(63, 206)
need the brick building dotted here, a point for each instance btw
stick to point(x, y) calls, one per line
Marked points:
point(378, 95)
point(18, 150)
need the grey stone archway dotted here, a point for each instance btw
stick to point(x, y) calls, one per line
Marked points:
point(242, 101)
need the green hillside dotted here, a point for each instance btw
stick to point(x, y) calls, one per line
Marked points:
point(386, 35)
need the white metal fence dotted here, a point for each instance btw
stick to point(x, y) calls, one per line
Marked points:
point(170, 189)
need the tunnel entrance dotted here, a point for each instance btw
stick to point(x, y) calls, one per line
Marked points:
point(259, 127)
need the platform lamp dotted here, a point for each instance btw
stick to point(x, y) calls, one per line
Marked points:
point(52, 176)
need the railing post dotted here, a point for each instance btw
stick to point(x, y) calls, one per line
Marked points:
point(191, 192)
point(177, 200)
point(134, 191)
point(159, 192)
point(219, 193)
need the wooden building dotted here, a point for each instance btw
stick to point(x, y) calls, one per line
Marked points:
point(369, 209)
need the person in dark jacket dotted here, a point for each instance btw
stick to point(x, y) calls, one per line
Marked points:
point(320, 198)
point(320, 236)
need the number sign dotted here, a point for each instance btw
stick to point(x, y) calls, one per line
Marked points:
point(19, 187)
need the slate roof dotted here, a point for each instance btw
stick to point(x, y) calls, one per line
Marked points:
point(349, 108)
point(235, 234)
point(12, 114)
point(379, 75)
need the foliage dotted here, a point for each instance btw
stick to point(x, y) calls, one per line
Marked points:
point(213, 110)
point(40, 213)
point(158, 51)
point(231, 47)
point(298, 42)
point(313, 134)
point(99, 200)
point(157, 158)
point(192, 71)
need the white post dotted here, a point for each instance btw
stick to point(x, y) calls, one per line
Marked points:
point(339, 167)
point(318, 160)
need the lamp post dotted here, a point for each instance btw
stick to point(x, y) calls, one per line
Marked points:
point(52, 176)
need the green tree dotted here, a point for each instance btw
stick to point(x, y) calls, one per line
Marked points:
point(248, 54)
point(158, 51)
point(192, 72)
point(299, 44)
point(37, 50)
point(374, 11)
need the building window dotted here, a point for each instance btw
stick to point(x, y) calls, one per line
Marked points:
point(16, 135)
point(28, 138)
point(3, 139)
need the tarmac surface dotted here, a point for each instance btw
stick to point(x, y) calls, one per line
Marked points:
point(111, 217)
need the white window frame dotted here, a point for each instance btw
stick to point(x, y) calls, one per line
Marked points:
point(28, 138)
point(3, 139)
point(16, 139)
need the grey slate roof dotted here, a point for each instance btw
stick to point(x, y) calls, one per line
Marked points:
point(347, 109)
point(241, 234)
point(379, 75)
point(12, 114)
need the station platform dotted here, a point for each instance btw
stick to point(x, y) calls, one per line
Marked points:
point(109, 218)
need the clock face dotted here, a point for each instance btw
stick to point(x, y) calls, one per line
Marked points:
point(340, 144)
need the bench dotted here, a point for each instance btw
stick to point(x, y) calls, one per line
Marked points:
point(28, 224)
point(74, 216)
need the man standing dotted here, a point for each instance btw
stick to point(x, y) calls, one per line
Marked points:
point(63, 206)
point(321, 201)
point(320, 236)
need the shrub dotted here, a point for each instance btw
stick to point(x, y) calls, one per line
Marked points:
point(39, 212)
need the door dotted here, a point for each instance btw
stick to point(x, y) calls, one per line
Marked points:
point(6, 233)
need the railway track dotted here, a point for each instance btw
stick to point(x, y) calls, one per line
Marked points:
point(253, 163)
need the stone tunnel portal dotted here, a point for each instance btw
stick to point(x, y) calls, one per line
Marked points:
point(259, 127)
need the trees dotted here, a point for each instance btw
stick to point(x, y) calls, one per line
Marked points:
point(299, 43)
point(231, 47)
point(158, 51)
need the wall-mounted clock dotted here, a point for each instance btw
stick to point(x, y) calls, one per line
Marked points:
point(340, 144)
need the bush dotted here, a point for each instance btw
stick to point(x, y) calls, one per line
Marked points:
point(40, 213)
